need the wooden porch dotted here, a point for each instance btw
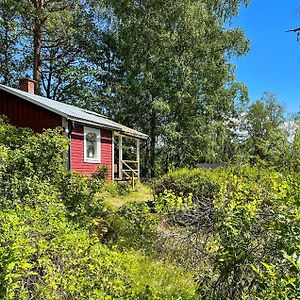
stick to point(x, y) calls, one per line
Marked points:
point(125, 170)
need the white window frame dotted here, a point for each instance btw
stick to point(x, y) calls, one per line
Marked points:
point(96, 159)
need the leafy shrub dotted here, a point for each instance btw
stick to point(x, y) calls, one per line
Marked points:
point(101, 173)
point(31, 164)
point(34, 166)
point(44, 256)
point(11, 136)
point(250, 208)
point(134, 226)
point(79, 194)
point(41, 155)
point(200, 183)
point(246, 227)
point(168, 202)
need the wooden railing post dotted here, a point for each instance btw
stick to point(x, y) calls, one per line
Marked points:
point(131, 173)
point(132, 178)
point(138, 157)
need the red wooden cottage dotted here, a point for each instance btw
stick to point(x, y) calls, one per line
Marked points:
point(92, 136)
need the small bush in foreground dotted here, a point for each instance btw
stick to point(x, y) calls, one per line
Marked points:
point(101, 173)
point(31, 165)
point(134, 226)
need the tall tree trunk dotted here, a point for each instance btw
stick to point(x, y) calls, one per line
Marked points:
point(152, 143)
point(37, 45)
point(145, 171)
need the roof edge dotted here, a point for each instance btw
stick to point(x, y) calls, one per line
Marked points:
point(29, 99)
point(118, 128)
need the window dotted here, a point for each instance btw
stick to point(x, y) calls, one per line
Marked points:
point(91, 145)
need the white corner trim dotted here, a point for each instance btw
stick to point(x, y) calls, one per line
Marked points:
point(112, 156)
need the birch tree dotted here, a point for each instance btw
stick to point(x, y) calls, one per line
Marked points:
point(177, 82)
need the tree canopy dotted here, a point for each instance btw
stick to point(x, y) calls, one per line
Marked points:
point(266, 126)
point(163, 67)
point(177, 82)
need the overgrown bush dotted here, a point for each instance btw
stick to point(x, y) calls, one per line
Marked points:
point(101, 173)
point(200, 183)
point(168, 202)
point(134, 226)
point(52, 223)
point(32, 165)
point(79, 194)
point(42, 155)
point(256, 223)
point(245, 226)
point(44, 256)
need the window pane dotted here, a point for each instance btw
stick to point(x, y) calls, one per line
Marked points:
point(91, 145)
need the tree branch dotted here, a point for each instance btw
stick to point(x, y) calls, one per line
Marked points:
point(294, 30)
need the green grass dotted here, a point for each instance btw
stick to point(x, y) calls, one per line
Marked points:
point(110, 195)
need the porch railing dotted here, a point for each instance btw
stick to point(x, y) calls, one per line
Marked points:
point(130, 171)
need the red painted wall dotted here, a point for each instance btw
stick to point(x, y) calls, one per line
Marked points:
point(77, 151)
point(22, 113)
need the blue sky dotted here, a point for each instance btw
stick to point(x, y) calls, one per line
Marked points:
point(273, 62)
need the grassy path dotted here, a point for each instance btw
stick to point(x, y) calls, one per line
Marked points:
point(140, 194)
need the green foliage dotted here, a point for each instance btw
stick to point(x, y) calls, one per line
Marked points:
point(200, 183)
point(257, 217)
point(134, 226)
point(168, 202)
point(266, 141)
point(101, 173)
point(42, 155)
point(249, 219)
point(31, 164)
point(10, 63)
point(53, 223)
point(44, 256)
point(291, 162)
point(79, 195)
point(34, 166)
